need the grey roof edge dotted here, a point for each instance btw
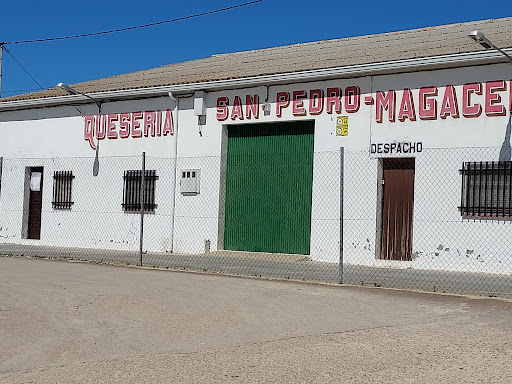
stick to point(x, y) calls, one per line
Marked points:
point(398, 66)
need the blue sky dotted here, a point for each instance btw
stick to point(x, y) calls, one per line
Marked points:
point(266, 24)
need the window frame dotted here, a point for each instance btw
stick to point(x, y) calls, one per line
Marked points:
point(486, 190)
point(132, 188)
point(62, 190)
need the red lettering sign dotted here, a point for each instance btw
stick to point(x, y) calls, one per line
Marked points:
point(124, 125)
point(390, 105)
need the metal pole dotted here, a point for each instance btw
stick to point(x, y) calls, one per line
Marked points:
point(173, 192)
point(1, 167)
point(142, 199)
point(503, 53)
point(1, 52)
point(342, 174)
point(96, 164)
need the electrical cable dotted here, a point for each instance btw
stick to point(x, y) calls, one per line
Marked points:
point(22, 67)
point(134, 27)
point(21, 90)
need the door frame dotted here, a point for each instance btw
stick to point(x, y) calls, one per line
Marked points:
point(27, 201)
point(407, 164)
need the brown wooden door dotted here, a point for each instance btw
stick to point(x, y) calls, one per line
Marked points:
point(397, 209)
point(34, 208)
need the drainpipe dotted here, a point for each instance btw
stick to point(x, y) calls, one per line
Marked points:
point(177, 110)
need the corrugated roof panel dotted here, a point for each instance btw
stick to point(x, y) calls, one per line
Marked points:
point(390, 46)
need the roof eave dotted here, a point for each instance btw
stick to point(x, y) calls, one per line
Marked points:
point(382, 68)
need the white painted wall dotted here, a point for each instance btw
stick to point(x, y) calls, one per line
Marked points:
point(466, 245)
point(441, 239)
point(53, 138)
point(437, 220)
point(482, 131)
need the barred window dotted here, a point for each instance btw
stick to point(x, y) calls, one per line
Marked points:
point(486, 189)
point(132, 191)
point(62, 185)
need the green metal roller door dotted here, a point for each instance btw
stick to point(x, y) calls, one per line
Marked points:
point(269, 180)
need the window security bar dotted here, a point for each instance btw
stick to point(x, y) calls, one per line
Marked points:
point(132, 191)
point(62, 186)
point(486, 189)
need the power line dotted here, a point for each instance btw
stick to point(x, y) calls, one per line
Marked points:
point(22, 67)
point(20, 90)
point(135, 27)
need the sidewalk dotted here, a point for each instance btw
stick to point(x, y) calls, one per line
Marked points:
point(293, 267)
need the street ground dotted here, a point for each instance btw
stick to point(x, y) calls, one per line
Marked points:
point(292, 267)
point(71, 322)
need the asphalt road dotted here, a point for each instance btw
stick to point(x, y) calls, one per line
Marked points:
point(291, 267)
point(70, 322)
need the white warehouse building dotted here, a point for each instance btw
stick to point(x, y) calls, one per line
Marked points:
point(392, 147)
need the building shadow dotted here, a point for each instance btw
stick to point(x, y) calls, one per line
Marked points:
point(505, 151)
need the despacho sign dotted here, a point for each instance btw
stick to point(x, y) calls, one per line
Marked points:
point(394, 148)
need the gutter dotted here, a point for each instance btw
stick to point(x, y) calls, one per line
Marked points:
point(382, 68)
